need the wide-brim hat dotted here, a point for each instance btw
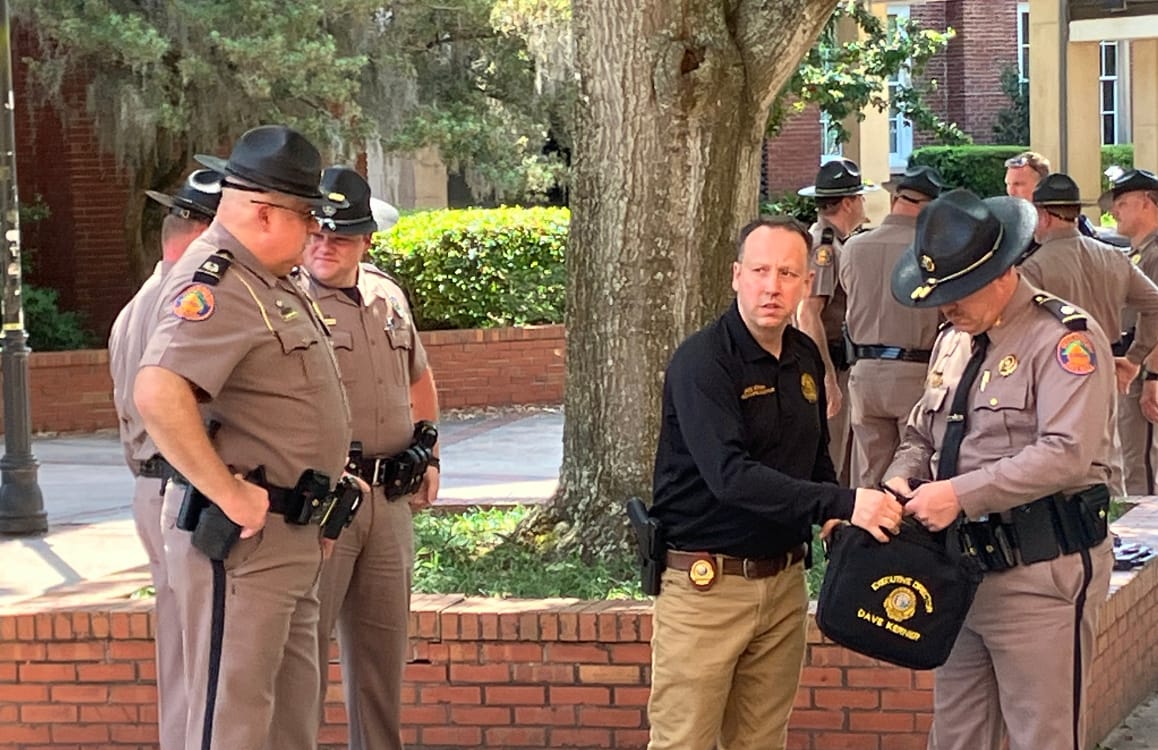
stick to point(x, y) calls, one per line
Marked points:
point(1058, 189)
point(385, 215)
point(278, 159)
point(357, 217)
point(1128, 182)
point(197, 199)
point(920, 179)
point(838, 178)
point(962, 243)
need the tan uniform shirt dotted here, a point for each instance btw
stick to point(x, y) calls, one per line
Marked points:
point(1145, 257)
point(1034, 425)
point(1098, 278)
point(127, 339)
point(380, 355)
point(866, 270)
point(255, 348)
point(824, 262)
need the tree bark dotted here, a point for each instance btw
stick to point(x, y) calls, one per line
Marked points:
point(674, 97)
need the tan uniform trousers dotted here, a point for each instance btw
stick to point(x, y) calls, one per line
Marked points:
point(365, 590)
point(880, 396)
point(726, 662)
point(840, 433)
point(172, 705)
point(1132, 431)
point(269, 636)
point(1014, 658)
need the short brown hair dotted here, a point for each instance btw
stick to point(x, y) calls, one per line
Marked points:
point(173, 225)
point(791, 223)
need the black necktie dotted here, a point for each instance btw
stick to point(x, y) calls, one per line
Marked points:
point(955, 429)
point(353, 293)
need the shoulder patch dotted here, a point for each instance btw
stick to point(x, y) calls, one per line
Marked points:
point(1075, 353)
point(213, 268)
point(194, 302)
point(1072, 318)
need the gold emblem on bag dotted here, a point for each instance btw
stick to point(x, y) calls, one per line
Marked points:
point(901, 604)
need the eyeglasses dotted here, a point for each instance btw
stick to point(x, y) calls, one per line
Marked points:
point(1017, 161)
point(306, 214)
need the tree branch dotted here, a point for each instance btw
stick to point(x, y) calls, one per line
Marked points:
point(764, 28)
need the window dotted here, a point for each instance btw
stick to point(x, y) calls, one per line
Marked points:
point(900, 128)
point(1108, 93)
point(1023, 42)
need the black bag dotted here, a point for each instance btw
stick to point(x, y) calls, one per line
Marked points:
point(902, 602)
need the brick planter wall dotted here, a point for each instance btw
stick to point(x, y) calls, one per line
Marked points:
point(72, 391)
point(510, 674)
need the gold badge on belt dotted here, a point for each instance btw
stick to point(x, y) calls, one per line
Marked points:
point(808, 388)
point(702, 572)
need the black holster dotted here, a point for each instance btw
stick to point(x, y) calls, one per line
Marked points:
point(651, 550)
point(347, 500)
point(849, 347)
point(1123, 344)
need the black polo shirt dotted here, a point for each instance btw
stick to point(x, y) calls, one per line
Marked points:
point(742, 466)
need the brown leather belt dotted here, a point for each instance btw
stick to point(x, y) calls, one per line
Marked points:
point(748, 567)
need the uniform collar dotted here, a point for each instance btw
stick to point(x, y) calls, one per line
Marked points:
point(368, 291)
point(823, 222)
point(749, 347)
point(1019, 307)
point(1065, 233)
point(897, 220)
point(221, 238)
point(1150, 243)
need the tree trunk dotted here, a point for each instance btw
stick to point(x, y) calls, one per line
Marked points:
point(674, 96)
point(165, 173)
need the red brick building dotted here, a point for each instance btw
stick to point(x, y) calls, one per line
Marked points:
point(990, 35)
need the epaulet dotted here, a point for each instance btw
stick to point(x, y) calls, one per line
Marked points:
point(827, 236)
point(943, 325)
point(1072, 318)
point(213, 268)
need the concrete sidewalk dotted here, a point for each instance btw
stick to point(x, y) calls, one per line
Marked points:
point(488, 459)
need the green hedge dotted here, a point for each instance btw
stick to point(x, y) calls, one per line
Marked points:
point(479, 268)
point(982, 168)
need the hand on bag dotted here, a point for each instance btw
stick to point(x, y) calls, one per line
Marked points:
point(900, 486)
point(832, 392)
point(827, 529)
point(875, 511)
point(934, 505)
point(1125, 371)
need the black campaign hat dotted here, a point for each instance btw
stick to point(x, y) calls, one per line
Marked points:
point(919, 179)
point(962, 244)
point(836, 179)
point(358, 216)
point(1058, 189)
point(1128, 182)
point(197, 199)
point(275, 158)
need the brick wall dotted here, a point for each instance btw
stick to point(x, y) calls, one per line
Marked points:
point(509, 674)
point(792, 158)
point(72, 391)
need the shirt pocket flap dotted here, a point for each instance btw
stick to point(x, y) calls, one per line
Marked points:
point(1003, 394)
point(296, 341)
point(400, 336)
point(342, 340)
point(934, 399)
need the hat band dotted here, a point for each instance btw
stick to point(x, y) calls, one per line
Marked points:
point(931, 283)
point(834, 192)
point(332, 224)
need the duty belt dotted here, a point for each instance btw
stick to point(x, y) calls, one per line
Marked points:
point(748, 567)
point(155, 467)
point(895, 353)
point(300, 505)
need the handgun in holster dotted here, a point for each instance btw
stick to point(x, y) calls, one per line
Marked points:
point(651, 549)
point(849, 346)
point(1124, 342)
point(347, 500)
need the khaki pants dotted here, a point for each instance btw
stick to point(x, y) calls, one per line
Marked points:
point(172, 704)
point(1132, 430)
point(726, 662)
point(1013, 664)
point(269, 636)
point(880, 396)
point(840, 434)
point(365, 590)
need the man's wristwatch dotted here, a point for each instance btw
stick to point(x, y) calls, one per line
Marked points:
point(1150, 375)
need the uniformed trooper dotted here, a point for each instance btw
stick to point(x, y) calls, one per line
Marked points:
point(1096, 277)
point(839, 193)
point(742, 473)
point(889, 344)
point(240, 390)
point(1012, 435)
point(1024, 171)
point(190, 210)
point(1133, 201)
point(365, 584)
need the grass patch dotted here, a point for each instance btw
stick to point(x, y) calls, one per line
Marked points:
point(474, 553)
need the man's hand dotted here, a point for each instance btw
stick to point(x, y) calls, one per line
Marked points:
point(828, 527)
point(247, 505)
point(1148, 401)
point(875, 511)
point(1125, 371)
point(327, 547)
point(427, 492)
point(934, 504)
point(900, 486)
point(832, 391)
